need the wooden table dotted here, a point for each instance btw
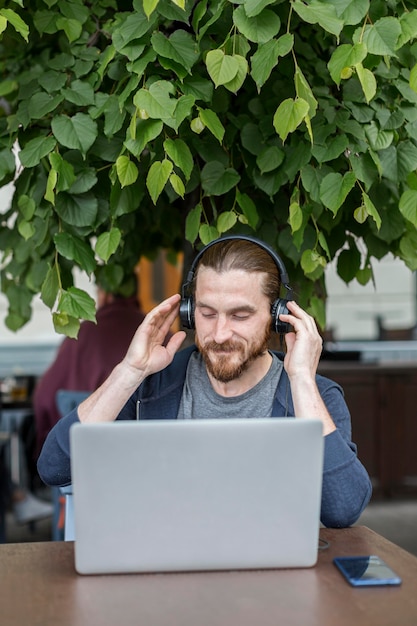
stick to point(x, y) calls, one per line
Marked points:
point(39, 587)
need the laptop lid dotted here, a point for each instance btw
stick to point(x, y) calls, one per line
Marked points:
point(168, 495)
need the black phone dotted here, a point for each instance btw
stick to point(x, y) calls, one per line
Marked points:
point(361, 571)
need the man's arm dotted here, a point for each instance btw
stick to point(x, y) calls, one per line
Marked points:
point(304, 347)
point(146, 355)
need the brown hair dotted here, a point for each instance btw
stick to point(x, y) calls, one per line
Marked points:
point(240, 254)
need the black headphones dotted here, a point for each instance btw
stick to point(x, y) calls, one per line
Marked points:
point(277, 308)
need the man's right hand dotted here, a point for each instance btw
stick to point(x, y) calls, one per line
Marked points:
point(147, 353)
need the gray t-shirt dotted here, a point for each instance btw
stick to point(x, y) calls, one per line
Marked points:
point(200, 401)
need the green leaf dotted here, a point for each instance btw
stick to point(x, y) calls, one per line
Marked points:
point(149, 6)
point(311, 261)
point(50, 186)
point(138, 66)
point(295, 218)
point(324, 245)
point(248, 207)
point(27, 206)
point(50, 287)
point(85, 181)
point(8, 86)
point(211, 120)
point(71, 27)
point(289, 116)
point(75, 249)
point(303, 91)
point(367, 81)
point(192, 223)
point(127, 172)
point(77, 303)
point(254, 7)
point(146, 131)
point(345, 56)
point(226, 221)
point(408, 247)
point(217, 180)
point(333, 148)
point(266, 58)
point(408, 23)
point(16, 21)
point(242, 71)
point(270, 158)
point(78, 132)
point(183, 110)
point(335, 188)
point(157, 178)
point(181, 47)
point(260, 28)
point(180, 154)
point(364, 275)
point(408, 206)
point(208, 233)
point(107, 243)
point(66, 325)
point(413, 78)
point(371, 210)
point(41, 104)
point(177, 184)
point(80, 93)
point(130, 28)
point(7, 163)
point(77, 210)
point(316, 12)
point(221, 67)
point(378, 139)
point(65, 171)
point(398, 162)
point(351, 11)
point(348, 264)
point(26, 229)
point(35, 150)
point(156, 100)
point(198, 87)
point(381, 37)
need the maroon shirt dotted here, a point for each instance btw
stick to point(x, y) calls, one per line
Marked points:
point(83, 364)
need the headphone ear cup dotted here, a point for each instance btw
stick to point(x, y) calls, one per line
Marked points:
point(279, 307)
point(187, 312)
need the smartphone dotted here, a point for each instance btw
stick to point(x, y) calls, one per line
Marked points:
point(361, 571)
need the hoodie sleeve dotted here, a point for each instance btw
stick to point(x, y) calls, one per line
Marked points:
point(54, 465)
point(346, 487)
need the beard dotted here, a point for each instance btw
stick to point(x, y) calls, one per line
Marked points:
point(227, 361)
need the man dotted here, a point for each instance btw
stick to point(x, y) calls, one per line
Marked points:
point(230, 372)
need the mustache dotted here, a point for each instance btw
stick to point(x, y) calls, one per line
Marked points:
point(227, 346)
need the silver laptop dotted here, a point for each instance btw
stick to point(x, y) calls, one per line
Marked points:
point(168, 495)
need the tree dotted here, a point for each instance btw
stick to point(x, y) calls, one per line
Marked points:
point(139, 122)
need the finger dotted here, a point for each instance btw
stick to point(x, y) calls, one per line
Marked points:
point(175, 342)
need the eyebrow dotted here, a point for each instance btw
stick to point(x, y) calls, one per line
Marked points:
point(244, 308)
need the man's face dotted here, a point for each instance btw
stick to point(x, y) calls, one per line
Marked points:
point(232, 321)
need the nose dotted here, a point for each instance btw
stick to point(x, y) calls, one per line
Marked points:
point(222, 330)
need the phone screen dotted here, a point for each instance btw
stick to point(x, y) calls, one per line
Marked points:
point(366, 570)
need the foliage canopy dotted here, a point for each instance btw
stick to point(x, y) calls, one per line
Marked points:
point(137, 122)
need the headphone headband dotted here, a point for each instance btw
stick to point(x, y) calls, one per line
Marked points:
point(278, 261)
